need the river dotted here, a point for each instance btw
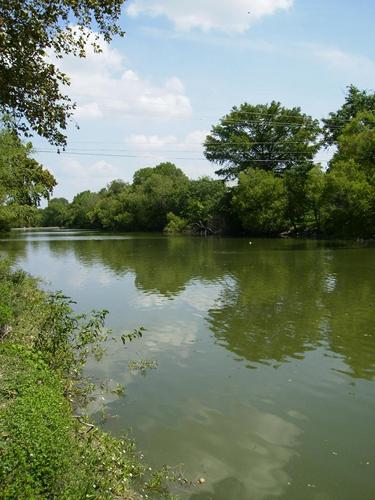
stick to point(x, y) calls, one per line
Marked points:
point(265, 352)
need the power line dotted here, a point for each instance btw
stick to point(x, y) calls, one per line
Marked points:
point(145, 154)
point(234, 109)
point(278, 160)
point(76, 153)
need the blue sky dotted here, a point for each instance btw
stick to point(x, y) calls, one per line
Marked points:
point(153, 95)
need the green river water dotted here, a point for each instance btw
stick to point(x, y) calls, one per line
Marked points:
point(265, 385)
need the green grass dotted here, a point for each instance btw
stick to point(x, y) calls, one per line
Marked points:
point(44, 451)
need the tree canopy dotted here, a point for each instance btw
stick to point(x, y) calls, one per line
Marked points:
point(271, 195)
point(265, 136)
point(23, 181)
point(355, 101)
point(30, 32)
point(261, 200)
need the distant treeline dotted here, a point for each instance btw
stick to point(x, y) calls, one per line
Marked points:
point(269, 181)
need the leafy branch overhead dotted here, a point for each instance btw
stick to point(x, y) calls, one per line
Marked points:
point(30, 32)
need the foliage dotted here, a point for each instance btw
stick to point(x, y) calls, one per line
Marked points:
point(295, 183)
point(143, 365)
point(357, 142)
point(261, 201)
point(135, 334)
point(156, 192)
point(204, 205)
point(175, 224)
point(79, 212)
point(144, 205)
point(33, 34)
point(265, 144)
point(113, 209)
point(356, 101)
point(23, 182)
point(63, 339)
point(350, 182)
point(36, 457)
point(315, 192)
point(45, 450)
point(56, 213)
point(269, 137)
point(350, 199)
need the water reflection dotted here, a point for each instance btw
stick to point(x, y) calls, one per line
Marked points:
point(275, 300)
point(299, 313)
point(254, 452)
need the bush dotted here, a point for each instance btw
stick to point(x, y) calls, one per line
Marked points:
point(175, 224)
point(260, 200)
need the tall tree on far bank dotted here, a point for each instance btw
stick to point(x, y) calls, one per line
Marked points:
point(30, 31)
point(266, 136)
point(260, 200)
point(350, 181)
point(356, 101)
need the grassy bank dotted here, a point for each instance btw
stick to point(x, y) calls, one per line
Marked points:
point(46, 451)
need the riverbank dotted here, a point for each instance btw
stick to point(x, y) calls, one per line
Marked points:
point(46, 450)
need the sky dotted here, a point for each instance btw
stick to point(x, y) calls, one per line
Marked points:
point(153, 95)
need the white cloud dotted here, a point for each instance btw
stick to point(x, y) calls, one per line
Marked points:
point(344, 60)
point(99, 169)
point(187, 153)
point(74, 176)
point(192, 143)
point(103, 85)
point(234, 16)
point(89, 110)
point(357, 66)
point(147, 143)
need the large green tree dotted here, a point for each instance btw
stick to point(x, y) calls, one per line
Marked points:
point(156, 192)
point(356, 101)
point(56, 213)
point(350, 182)
point(23, 181)
point(266, 136)
point(79, 213)
point(30, 83)
point(205, 205)
point(260, 200)
point(114, 210)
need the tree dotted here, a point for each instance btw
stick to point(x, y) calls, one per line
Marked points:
point(315, 191)
point(156, 192)
point(204, 206)
point(357, 142)
point(295, 182)
point(30, 32)
point(23, 181)
point(113, 210)
point(355, 101)
point(269, 137)
point(350, 182)
point(350, 201)
point(79, 212)
point(260, 199)
point(56, 214)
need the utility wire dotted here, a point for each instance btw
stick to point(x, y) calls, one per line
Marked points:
point(237, 110)
point(279, 160)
